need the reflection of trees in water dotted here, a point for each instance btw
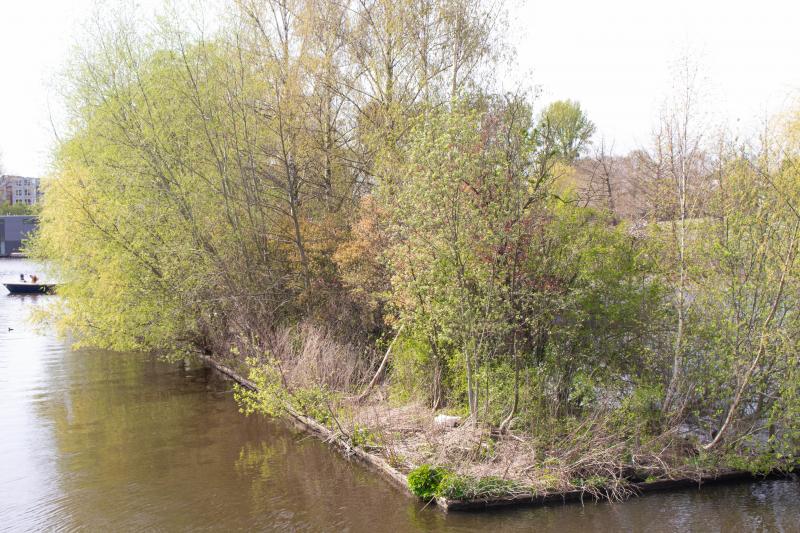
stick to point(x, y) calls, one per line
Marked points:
point(90, 413)
point(109, 399)
point(141, 444)
point(132, 434)
point(145, 445)
point(253, 464)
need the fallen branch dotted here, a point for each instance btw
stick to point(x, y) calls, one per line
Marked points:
point(381, 368)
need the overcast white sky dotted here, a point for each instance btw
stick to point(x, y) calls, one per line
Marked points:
point(613, 56)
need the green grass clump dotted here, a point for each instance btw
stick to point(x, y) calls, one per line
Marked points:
point(455, 487)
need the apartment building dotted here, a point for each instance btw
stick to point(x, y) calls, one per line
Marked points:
point(19, 190)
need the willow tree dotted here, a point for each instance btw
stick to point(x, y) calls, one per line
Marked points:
point(160, 177)
point(121, 217)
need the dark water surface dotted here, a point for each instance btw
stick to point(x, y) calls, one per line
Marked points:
point(118, 442)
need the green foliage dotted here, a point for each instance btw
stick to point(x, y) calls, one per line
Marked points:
point(313, 402)
point(428, 482)
point(17, 209)
point(272, 398)
point(412, 365)
point(362, 437)
point(640, 413)
point(424, 481)
point(564, 129)
point(455, 487)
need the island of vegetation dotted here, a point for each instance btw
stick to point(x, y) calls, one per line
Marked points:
point(342, 205)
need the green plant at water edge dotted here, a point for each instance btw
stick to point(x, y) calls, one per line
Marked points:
point(455, 487)
point(272, 398)
point(424, 481)
point(362, 437)
point(269, 398)
point(314, 402)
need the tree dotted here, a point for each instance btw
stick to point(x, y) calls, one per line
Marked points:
point(499, 275)
point(252, 146)
point(451, 206)
point(748, 304)
point(679, 171)
point(564, 130)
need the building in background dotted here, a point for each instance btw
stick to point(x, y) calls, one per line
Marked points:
point(6, 191)
point(14, 229)
point(19, 190)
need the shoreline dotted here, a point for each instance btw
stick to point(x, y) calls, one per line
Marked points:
point(638, 489)
point(313, 427)
point(398, 479)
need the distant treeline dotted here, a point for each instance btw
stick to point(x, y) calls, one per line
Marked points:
point(17, 209)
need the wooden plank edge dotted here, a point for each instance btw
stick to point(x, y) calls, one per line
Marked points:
point(313, 427)
point(664, 485)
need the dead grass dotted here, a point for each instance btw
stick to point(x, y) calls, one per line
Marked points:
point(590, 457)
point(309, 356)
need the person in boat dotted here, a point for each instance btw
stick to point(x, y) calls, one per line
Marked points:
point(34, 278)
point(22, 278)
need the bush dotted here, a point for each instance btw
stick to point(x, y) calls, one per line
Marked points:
point(640, 412)
point(424, 481)
point(411, 368)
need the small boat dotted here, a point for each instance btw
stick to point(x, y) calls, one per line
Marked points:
point(30, 288)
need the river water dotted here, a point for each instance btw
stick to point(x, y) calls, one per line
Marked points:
point(105, 441)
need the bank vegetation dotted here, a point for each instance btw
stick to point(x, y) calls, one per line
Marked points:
point(340, 201)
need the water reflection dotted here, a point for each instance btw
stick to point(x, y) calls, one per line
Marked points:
point(107, 441)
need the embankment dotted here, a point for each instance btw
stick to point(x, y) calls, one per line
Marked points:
point(380, 465)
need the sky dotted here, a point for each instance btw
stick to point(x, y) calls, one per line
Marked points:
point(616, 57)
point(33, 41)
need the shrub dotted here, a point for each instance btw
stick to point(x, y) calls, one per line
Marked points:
point(411, 368)
point(424, 481)
point(640, 412)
